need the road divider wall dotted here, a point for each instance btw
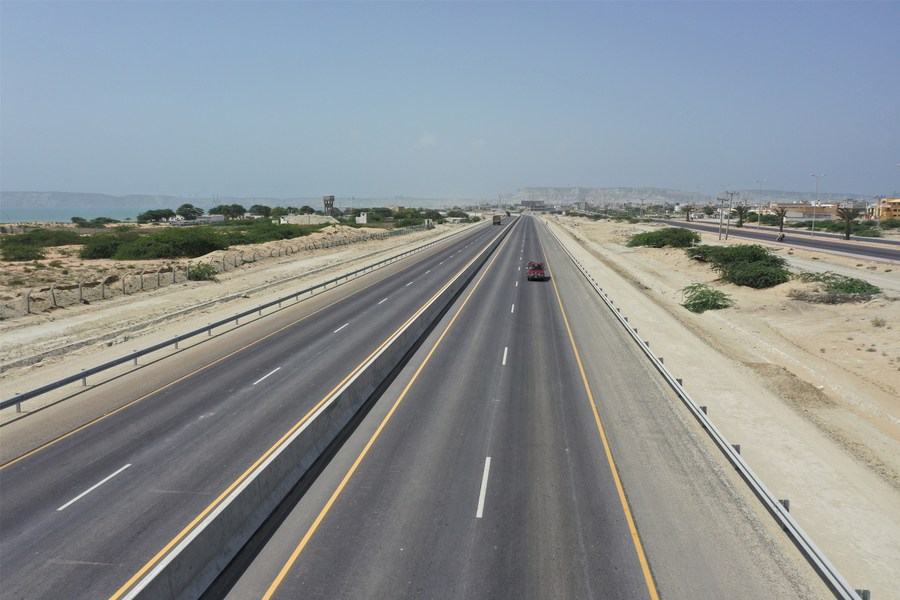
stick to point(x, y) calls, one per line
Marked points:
point(204, 551)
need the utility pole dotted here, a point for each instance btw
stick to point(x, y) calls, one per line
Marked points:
point(759, 183)
point(731, 196)
point(817, 201)
point(721, 216)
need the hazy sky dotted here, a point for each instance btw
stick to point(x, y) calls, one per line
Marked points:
point(451, 99)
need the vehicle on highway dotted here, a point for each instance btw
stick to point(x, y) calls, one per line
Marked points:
point(498, 219)
point(535, 271)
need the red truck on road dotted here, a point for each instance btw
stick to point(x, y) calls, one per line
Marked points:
point(535, 271)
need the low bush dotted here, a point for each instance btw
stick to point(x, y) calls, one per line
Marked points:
point(748, 265)
point(202, 272)
point(186, 242)
point(699, 298)
point(28, 246)
point(758, 275)
point(675, 237)
point(836, 289)
point(105, 245)
point(15, 252)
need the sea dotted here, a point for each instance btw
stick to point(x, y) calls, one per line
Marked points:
point(64, 215)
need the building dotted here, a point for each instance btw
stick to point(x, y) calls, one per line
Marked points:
point(887, 208)
point(806, 212)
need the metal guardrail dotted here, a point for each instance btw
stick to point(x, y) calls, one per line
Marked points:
point(83, 375)
point(810, 551)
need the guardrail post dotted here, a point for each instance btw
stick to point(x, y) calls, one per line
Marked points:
point(679, 381)
point(737, 448)
point(864, 594)
point(660, 358)
point(18, 405)
point(704, 409)
point(53, 295)
point(28, 302)
point(83, 381)
point(785, 503)
point(176, 342)
point(81, 291)
point(135, 358)
point(208, 331)
point(259, 312)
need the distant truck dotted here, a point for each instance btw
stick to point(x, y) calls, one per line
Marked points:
point(535, 271)
point(498, 219)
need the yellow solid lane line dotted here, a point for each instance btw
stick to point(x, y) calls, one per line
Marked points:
point(337, 492)
point(212, 506)
point(639, 548)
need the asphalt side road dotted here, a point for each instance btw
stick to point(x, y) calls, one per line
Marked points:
point(873, 248)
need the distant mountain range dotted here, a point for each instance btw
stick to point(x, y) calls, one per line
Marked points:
point(550, 196)
point(140, 203)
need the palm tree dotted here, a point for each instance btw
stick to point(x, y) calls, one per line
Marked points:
point(741, 212)
point(848, 215)
point(781, 213)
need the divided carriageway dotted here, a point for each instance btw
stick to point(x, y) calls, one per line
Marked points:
point(525, 450)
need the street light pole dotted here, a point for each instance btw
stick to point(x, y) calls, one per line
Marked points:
point(759, 183)
point(817, 201)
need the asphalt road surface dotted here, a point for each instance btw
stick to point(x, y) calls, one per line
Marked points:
point(528, 451)
point(867, 247)
point(82, 514)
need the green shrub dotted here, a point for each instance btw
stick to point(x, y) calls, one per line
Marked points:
point(675, 237)
point(202, 272)
point(45, 238)
point(27, 246)
point(757, 275)
point(749, 265)
point(699, 298)
point(408, 222)
point(17, 252)
point(184, 242)
point(890, 224)
point(105, 245)
point(841, 284)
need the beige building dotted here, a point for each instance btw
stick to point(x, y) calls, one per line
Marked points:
point(806, 212)
point(887, 208)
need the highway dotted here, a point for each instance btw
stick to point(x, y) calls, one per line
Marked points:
point(874, 248)
point(83, 513)
point(527, 450)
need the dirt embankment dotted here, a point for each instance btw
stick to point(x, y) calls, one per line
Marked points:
point(49, 331)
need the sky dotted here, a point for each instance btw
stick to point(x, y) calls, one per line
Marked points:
point(447, 99)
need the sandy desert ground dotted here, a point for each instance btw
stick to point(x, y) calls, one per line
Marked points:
point(810, 391)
